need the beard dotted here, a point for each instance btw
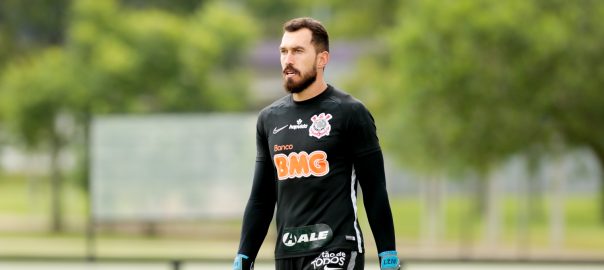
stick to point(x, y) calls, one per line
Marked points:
point(306, 80)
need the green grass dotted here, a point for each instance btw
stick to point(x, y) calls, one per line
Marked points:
point(583, 230)
point(14, 197)
point(24, 222)
point(27, 200)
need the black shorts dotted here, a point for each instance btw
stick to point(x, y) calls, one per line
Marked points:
point(326, 260)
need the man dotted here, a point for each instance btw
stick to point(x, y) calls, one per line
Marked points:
point(313, 147)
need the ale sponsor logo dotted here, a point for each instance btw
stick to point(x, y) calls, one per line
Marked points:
point(306, 237)
point(291, 240)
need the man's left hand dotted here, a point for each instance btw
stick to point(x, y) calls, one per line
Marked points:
point(389, 260)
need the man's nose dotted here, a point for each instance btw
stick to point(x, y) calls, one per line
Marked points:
point(289, 59)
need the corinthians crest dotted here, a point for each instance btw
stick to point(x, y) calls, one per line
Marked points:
point(320, 125)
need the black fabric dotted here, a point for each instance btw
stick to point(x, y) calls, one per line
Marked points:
point(337, 259)
point(375, 199)
point(259, 210)
point(306, 154)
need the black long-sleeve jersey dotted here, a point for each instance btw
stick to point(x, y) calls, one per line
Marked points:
point(310, 157)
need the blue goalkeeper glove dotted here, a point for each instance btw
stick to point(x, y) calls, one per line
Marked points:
point(243, 262)
point(389, 260)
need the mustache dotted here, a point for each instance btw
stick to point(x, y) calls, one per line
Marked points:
point(290, 68)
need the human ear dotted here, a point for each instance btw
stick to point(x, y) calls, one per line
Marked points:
point(323, 59)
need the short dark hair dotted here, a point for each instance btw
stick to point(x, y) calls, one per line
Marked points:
point(320, 38)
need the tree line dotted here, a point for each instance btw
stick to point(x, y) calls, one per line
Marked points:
point(460, 86)
point(463, 86)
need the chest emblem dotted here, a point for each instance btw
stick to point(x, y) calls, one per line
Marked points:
point(320, 125)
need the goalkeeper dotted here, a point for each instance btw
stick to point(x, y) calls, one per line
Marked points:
point(315, 146)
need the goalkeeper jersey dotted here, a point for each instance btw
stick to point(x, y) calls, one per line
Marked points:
point(307, 152)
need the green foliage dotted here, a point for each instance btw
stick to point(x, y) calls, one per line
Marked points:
point(120, 60)
point(274, 13)
point(222, 25)
point(357, 18)
point(150, 61)
point(26, 26)
point(33, 94)
point(468, 83)
point(180, 6)
point(5, 45)
point(343, 19)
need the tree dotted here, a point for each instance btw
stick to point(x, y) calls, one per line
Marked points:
point(32, 96)
point(152, 61)
point(343, 19)
point(117, 60)
point(467, 84)
point(26, 26)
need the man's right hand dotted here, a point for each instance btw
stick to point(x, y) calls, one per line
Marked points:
point(243, 262)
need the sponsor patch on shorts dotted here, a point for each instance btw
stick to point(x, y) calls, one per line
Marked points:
point(329, 260)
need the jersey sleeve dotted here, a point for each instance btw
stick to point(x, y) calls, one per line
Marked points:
point(369, 171)
point(368, 163)
point(362, 131)
point(260, 206)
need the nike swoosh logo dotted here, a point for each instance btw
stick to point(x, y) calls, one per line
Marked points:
point(276, 130)
point(329, 268)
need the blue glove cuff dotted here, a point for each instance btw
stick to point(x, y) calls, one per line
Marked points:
point(389, 252)
point(389, 260)
point(238, 263)
point(242, 256)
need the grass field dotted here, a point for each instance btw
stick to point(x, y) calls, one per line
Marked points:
point(24, 220)
point(582, 229)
